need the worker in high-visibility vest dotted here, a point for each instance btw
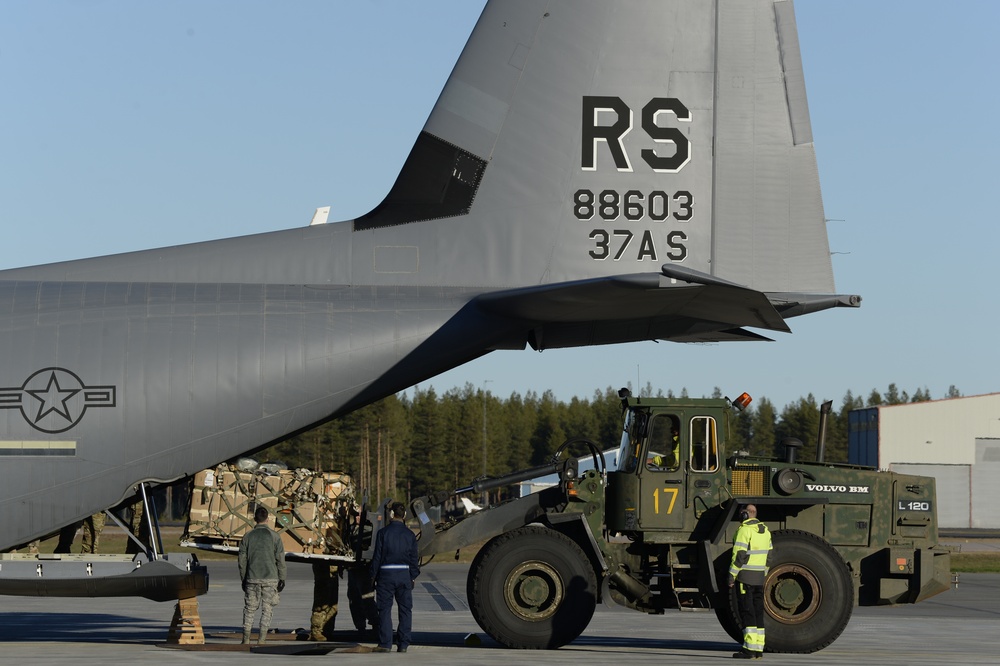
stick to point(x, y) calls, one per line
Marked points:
point(669, 461)
point(747, 571)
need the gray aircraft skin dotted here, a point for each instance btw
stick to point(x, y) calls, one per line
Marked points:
point(593, 172)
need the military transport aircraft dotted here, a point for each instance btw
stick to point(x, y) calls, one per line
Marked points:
point(593, 172)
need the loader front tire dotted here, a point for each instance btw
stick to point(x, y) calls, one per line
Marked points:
point(532, 588)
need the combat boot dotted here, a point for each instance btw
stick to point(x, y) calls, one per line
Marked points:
point(316, 630)
point(263, 636)
point(246, 637)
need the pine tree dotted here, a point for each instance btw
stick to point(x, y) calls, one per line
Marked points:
point(428, 455)
point(801, 421)
point(607, 409)
point(548, 433)
point(763, 442)
point(874, 399)
point(515, 434)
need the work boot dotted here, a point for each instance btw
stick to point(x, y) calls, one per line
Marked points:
point(742, 654)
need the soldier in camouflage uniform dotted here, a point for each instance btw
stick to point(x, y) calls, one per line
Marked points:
point(262, 570)
point(92, 528)
point(138, 526)
point(326, 590)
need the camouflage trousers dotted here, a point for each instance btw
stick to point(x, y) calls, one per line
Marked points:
point(261, 594)
point(326, 589)
point(92, 528)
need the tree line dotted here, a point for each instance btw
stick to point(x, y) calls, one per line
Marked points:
point(404, 447)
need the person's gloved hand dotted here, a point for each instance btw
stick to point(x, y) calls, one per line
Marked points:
point(281, 585)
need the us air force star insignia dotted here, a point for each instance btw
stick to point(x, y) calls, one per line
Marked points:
point(54, 399)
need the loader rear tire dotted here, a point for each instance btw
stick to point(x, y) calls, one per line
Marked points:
point(808, 596)
point(532, 588)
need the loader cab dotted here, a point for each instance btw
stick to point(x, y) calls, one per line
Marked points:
point(669, 466)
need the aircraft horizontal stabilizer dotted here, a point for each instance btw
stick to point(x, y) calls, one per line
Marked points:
point(793, 305)
point(628, 308)
point(788, 304)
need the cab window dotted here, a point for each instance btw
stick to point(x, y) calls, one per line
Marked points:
point(628, 452)
point(663, 444)
point(704, 445)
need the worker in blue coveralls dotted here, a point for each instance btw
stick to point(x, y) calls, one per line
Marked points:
point(394, 568)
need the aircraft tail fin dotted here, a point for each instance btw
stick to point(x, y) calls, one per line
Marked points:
point(585, 138)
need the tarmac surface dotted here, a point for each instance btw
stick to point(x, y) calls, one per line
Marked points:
point(954, 627)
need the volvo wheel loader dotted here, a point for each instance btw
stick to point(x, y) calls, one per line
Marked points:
point(654, 530)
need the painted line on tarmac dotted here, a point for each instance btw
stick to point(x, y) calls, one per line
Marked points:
point(438, 597)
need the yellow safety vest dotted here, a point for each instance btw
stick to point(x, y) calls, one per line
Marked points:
point(751, 551)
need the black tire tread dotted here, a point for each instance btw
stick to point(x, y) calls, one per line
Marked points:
point(833, 630)
point(477, 584)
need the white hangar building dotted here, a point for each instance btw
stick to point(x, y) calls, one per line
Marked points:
point(956, 441)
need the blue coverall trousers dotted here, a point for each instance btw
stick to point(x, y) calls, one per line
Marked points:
point(393, 584)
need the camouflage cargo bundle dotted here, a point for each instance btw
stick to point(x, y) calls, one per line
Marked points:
point(310, 510)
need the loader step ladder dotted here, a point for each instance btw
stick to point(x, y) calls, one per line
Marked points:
point(684, 579)
point(185, 628)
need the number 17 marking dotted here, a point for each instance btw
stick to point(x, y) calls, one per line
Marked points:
point(656, 499)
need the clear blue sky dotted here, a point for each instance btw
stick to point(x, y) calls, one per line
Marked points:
point(131, 125)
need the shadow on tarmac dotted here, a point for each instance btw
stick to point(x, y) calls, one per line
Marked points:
point(451, 639)
point(113, 628)
point(80, 628)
